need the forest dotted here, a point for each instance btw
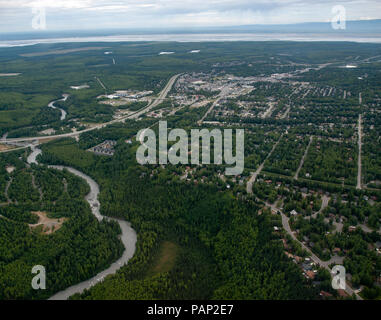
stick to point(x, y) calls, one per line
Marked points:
point(71, 252)
point(217, 235)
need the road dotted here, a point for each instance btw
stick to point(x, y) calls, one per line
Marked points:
point(9, 201)
point(223, 94)
point(285, 115)
point(14, 149)
point(163, 94)
point(269, 111)
point(315, 259)
point(324, 203)
point(101, 83)
point(249, 185)
point(359, 165)
point(304, 157)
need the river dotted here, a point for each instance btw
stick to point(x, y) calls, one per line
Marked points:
point(128, 236)
point(63, 112)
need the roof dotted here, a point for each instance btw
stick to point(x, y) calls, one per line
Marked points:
point(325, 294)
point(342, 293)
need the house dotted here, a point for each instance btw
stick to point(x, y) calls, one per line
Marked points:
point(10, 169)
point(285, 243)
point(293, 213)
point(310, 275)
point(325, 294)
point(307, 266)
point(342, 293)
point(106, 148)
point(336, 250)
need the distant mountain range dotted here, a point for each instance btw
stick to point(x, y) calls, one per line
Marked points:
point(368, 27)
point(362, 26)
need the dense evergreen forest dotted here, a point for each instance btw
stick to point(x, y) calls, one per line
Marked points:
point(226, 250)
point(73, 252)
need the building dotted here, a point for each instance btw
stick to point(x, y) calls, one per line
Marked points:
point(293, 213)
point(325, 294)
point(106, 148)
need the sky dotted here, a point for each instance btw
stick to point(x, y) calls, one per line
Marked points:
point(21, 15)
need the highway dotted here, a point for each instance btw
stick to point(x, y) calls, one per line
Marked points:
point(162, 96)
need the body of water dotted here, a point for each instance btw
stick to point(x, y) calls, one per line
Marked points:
point(205, 37)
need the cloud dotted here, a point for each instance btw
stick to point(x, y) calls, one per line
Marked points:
point(78, 14)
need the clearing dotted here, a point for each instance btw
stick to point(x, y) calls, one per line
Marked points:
point(48, 225)
point(165, 258)
point(4, 147)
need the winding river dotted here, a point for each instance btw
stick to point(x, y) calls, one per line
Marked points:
point(63, 112)
point(128, 236)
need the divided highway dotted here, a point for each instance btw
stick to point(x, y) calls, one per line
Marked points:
point(162, 96)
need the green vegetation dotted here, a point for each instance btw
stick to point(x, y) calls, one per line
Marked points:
point(218, 236)
point(76, 251)
point(200, 234)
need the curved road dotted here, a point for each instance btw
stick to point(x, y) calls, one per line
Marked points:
point(315, 258)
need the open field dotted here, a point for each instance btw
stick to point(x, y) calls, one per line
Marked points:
point(166, 258)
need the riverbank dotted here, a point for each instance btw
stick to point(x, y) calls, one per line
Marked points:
point(128, 235)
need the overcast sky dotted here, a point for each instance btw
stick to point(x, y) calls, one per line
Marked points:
point(16, 15)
